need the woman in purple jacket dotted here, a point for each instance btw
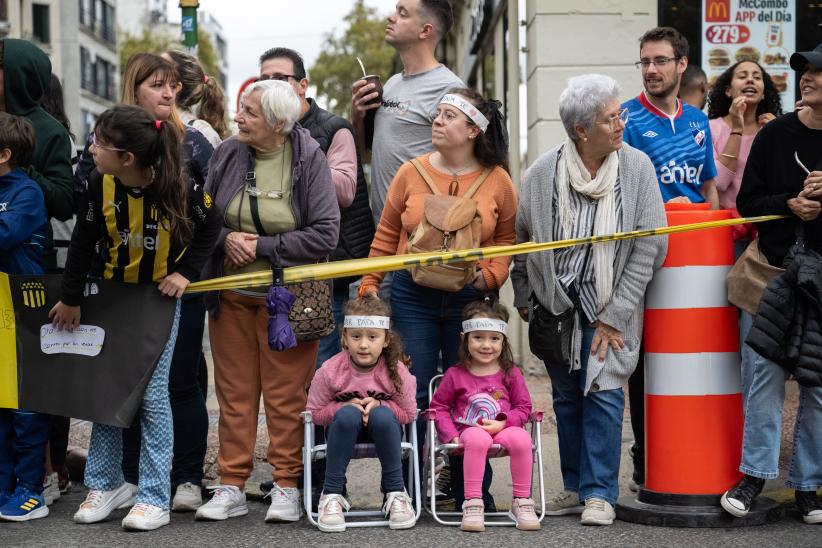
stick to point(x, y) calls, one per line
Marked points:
point(280, 208)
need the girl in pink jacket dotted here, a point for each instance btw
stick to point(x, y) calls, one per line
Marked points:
point(364, 393)
point(482, 401)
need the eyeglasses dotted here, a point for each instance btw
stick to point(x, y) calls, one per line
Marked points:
point(448, 116)
point(280, 77)
point(96, 144)
point(656, 61)
point(614, 119)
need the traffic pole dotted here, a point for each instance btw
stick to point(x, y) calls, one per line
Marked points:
point(188, 24)
point(693, 389)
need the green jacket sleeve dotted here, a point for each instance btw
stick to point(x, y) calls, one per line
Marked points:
point(52, 171)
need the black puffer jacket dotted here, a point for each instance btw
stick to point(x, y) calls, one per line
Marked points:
point(788, 326)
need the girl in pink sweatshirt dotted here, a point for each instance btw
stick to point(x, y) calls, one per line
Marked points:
point(364, 393)
point(484, 400)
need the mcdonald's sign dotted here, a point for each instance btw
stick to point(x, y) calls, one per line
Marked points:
point(717, 11)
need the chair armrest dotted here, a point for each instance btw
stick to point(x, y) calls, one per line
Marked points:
point(306, 416)
point(429, 414)
point(536, 416)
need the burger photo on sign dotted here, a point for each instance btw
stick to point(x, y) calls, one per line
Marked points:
point(747, 53)
point(719, 57)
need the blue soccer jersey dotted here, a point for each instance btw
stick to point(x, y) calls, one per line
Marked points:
point(679, 146)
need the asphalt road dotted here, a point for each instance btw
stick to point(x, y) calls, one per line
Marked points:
point(58, 530)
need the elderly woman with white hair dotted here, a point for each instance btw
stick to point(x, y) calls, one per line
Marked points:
point(585, 303)
point(273, 185)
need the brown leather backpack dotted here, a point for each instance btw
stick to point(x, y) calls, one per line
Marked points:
point(450, 223)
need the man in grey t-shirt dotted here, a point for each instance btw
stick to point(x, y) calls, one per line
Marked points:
point(402, 125)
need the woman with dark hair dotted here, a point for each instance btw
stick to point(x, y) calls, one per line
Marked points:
point(201, 101)
point(52, 102)
point(470, 143)
point(137, 157)
point(743, 100)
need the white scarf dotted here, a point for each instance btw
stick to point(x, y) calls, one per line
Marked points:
point(571, 172)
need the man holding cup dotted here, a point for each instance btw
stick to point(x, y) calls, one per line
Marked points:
point(407, 106)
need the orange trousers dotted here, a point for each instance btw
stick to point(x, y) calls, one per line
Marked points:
point(244, 368)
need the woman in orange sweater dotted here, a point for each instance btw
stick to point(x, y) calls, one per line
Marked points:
point(469, 137)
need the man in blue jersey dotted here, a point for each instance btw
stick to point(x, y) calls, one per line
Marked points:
point(674, 135)
point(677, 138)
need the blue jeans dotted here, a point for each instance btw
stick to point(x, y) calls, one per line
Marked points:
point(188, 404)
point(384, 431)
point(23, 438)
point(104, 470)
point(764, 394)
point(330, 344)
point(589, 429)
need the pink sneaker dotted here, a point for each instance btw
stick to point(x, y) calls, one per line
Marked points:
point(522, 512)
point(473, 516)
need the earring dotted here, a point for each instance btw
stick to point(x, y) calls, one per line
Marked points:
point(585, 139)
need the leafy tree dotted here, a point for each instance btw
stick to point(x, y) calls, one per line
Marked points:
point(336, 68)
point(151, 41)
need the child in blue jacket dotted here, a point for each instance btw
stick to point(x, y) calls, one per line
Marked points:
point(23, 435)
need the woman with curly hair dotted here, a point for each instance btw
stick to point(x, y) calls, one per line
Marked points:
point(743, 100)
point(366, 388)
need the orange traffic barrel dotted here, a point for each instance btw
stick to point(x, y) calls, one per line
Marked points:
point(693, 388)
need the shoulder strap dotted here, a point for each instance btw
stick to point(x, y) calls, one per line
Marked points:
point(416, 163)
point(477, 182)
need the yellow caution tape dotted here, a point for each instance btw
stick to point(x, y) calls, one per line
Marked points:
point(359, 267)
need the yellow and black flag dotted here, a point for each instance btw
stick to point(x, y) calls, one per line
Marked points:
point(99, 373)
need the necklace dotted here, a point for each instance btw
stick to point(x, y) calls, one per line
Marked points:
point(455, 173)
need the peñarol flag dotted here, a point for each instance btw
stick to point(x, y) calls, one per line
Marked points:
point(99, 372)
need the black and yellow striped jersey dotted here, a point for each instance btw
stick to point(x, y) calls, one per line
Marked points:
point(137, 244)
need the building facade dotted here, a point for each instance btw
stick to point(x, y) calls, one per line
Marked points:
point(80, 39)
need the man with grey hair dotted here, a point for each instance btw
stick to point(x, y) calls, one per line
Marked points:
point(402, 123)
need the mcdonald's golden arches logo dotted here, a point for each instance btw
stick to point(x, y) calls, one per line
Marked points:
point(34, 294)
point(717, 11)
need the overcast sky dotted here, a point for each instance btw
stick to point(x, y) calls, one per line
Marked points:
point(252, 26)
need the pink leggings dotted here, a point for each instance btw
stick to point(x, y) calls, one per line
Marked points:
point(476, 442)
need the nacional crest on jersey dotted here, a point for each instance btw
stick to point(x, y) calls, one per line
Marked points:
point(699, 137)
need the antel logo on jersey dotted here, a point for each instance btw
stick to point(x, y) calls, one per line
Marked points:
point(137, 241)
point(650, 134)
point(670, 173)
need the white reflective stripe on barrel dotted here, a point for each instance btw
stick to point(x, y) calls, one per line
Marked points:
point(688, 287)
point(702, 374)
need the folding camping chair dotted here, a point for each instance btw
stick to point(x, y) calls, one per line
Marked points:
point(433, 449)
point(363, 518)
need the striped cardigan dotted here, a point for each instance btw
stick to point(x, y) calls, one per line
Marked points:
point(636, 259)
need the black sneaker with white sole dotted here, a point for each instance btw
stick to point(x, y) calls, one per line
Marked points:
point(810, 506)
point(737, 501)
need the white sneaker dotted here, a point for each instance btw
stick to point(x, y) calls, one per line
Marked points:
point(564, 503)
point(331, 518)
point(398, 508)
point(285, 504)
point(146, 517)
point(129, 503)
point(51, 490)
point(597, 512)
point(227, 502)
point(187, 498)
point(99, 504)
